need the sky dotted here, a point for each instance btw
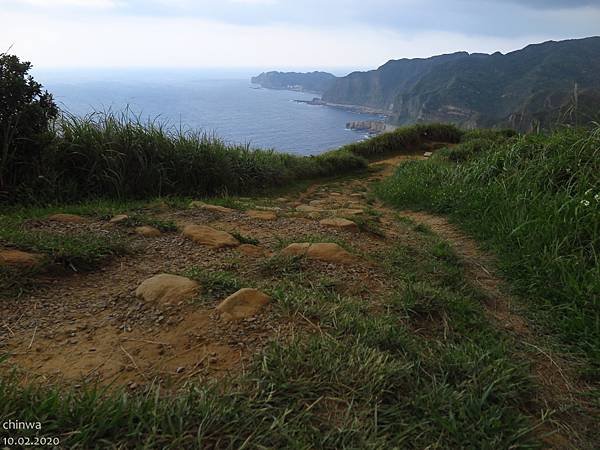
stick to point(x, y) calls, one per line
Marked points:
point(278, 34)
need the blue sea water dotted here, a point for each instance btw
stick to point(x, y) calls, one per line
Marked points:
point(229, 108)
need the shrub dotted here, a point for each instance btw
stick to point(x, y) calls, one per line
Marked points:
point(25, 113)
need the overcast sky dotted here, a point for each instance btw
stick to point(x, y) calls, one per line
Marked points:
point(279, 34)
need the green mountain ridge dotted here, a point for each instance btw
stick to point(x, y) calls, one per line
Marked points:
point(535, 87)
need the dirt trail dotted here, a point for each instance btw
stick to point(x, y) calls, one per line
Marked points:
point(91, 327)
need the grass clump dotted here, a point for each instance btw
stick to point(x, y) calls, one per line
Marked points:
point(245, 239)
point(535, 200)
point(215, 284)
point(78, 251)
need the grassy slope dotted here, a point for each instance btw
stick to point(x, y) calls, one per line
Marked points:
point(536, 201)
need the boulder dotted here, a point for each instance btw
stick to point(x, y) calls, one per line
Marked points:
point(119, 218)
point(244, 303)
point(323, 251)
point(19, 259)
point(262, 215)
point(343, 224)
point(205, 235)
point(147, 231)
point(166, 288)
point(427, 154)
point(209, 207)
point(66, 218)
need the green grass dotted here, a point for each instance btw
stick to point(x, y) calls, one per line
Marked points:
point(359, 379)
point(112, 156)
point(216, 285)
point(80, 251)
point(404, 140)
point(534, 200)
point(245, 239)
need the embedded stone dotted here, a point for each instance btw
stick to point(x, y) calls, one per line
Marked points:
point(343, 224)
point(66, 218)
point(209, 207)
point(254, 251)
point(119, 218)
point(168, 289)
point(205, 235)
point(147, 231)
point(349, 212)
point(324, 251)
point(262, 215)
point(307, 208)
point(244, 303)
point(19, 259)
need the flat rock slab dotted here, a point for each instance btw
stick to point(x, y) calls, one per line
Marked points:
point(209, 207)
point(308, 208)
point(19, 259)
point(147, 231)
point(262, 215)
point(349, 212)
point(166, 288)
point(244, 303)
point(323, 251)
point(204, 235)
point(254, 251)
point(119, 218)
point(343, 224)
point(66, 218)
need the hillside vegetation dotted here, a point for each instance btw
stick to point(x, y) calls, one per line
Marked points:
point(539, 86)
point(110, 156)
point(535, 199)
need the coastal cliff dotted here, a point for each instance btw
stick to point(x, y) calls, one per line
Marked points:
point(535, 87)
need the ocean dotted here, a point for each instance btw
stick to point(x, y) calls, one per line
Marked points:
point(230, 108)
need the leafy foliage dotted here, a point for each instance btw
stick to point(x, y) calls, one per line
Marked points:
point(25, 114)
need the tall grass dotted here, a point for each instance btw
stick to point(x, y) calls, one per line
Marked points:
point(113, 156)
point(536, 200)
point(117, 156)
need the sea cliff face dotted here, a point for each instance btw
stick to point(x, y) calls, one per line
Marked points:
point(537, 86)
